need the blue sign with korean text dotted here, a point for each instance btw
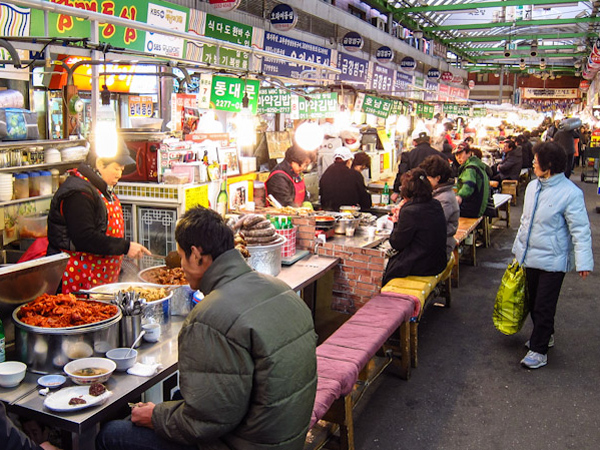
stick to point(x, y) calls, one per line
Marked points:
point(409, 64)
point(382, 79)
point(283, 17)
point(284, 45)
point(431, 94)
point(384, 54)
point(434, 74)
point(352, 41)
point(354, 70)
point(402, 84)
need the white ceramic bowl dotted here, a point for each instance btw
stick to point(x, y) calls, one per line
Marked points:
point(89, 363)
point(12, 373)
point(118, 356)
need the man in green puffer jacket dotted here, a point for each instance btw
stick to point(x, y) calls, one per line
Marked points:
point(473, 184)
point(247, 364)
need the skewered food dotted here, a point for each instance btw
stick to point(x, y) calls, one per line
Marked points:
point(64, 310)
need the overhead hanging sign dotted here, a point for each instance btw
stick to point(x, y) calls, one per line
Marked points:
point(370, 104)
point(287, 46)
point(320, 106)
point(283, 17)
point(169, 15)
point(549, 93)
point(382, 79)
point(353, 69)
point(431, 94)
point(408, 64)
point(384, 54)
point(274, 101)
point(433, 74)
point(224, 5)
point(229, 31)
point(403, 83)
point(227, 93)
point(352, 41)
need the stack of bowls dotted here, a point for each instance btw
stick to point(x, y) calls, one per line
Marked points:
point(6, 187)
point(52, 155)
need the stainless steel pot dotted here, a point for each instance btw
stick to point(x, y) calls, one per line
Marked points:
point(344, 224)
point(266, 258)
point(47, 350)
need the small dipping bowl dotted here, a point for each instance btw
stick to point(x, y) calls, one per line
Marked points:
point(51, 381)
point(118, 356)
point(12, 373)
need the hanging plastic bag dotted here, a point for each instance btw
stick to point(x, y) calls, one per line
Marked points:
point(512, 302)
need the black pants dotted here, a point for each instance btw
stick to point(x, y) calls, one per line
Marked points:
point(569, 166)
point(544, 288)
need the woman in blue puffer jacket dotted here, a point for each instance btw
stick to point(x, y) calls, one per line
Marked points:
point(554, 237)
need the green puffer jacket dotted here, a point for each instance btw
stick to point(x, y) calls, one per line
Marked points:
point(247, 365)
point(473, 186)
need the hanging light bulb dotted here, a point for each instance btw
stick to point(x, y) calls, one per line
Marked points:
point(309, 136)
point(105, 130)
point(245, 124)
point(403, 124)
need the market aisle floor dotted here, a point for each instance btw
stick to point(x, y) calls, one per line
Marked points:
point(469, 391)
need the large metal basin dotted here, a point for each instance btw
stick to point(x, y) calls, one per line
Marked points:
point(47, 350)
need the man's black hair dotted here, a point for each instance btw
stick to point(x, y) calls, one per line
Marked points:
point(203, 228)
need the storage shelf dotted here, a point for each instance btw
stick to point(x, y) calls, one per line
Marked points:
point(50, 143)
point(73, 163)
point(23, 200)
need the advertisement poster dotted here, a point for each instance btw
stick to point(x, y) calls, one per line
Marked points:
point(165, 17)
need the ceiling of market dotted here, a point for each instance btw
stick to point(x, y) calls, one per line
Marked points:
point(492, 34)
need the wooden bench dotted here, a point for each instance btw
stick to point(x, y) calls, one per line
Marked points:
point(347, 364)
point(465, 237)
point(510, 187)
point(426, 289)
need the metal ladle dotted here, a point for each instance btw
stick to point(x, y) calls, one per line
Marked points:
point(137, 339)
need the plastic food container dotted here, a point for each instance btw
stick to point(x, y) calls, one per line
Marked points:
point(45, 182)
point(21, 185)
point(33, 226)
point(34, 184)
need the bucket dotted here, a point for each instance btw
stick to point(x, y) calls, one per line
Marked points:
point(266, 258)
point(288, 249)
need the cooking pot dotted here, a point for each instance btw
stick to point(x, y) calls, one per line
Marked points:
point(324, 222)
point(344, 224)
point(47, 350)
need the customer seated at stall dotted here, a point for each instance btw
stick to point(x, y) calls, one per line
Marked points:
point(419, 234)
point(86, 221)
point(438, 173)
point(286, 182)
point(14, 439)
point(512, 162)
point(526, 150)
point(473, 184)
point(411, 159)
point(341, 185)
point(247, 364)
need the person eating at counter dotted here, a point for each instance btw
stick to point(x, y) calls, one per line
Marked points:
point(247, 363)
point(341, 185)
point(86, 221)
point(14, 439)
point(286, 183)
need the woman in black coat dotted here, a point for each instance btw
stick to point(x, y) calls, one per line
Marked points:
point(419, 233)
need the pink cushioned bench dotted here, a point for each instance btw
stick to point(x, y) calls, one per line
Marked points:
point(343, 358)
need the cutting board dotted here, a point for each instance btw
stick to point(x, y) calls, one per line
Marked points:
point(293, 259)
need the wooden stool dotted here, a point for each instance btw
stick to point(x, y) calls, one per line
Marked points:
point(510, 187)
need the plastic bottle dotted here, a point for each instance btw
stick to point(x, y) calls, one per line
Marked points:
point(34, 184)
point(222, 199)
point(289, 225)
point(2, 343)
point(385, 195)
point(55, 179)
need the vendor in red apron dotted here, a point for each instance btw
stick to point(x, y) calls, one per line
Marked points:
point(286, 183)
point(86, 221)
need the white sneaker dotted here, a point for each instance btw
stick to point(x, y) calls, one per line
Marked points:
point(550, 342)
point(534, 360)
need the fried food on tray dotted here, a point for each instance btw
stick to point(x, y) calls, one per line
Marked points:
point(163, 275)
point(64, 310)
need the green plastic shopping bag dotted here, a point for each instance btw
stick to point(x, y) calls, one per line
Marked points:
point(512, 302)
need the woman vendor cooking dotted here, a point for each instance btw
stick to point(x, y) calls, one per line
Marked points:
point(285, 182)
point(86, 221)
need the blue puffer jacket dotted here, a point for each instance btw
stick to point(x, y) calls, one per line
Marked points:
point(554, 234)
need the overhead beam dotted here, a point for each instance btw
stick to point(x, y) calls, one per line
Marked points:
point(524, 48)
point(499, 37)
point(516, 23)
point(520, 55)
point(479, 5)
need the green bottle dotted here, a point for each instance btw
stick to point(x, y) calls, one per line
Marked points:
point(385, 195)
point(222, 199)
point(2, 343)
point(289, 225)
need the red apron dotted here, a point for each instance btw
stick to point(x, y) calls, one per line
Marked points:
point(299, 187)
point(86, 270)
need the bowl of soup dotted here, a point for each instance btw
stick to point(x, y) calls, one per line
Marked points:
point(90, 370)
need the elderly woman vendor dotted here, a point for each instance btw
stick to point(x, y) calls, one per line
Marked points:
point(86, 221)
point(286, 183)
